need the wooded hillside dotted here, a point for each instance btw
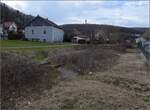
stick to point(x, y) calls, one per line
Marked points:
point(10, 14)
point(106, 30)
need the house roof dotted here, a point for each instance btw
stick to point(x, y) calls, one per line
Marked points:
point(81, 36)
point(8, 24)
point(40, 21)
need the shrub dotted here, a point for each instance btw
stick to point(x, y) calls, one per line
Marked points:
point(68, 36)
point(15, 35)
point(146, 35)
point(20, 76)
point(84, 60)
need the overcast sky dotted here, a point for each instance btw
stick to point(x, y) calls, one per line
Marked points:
point(122, 13)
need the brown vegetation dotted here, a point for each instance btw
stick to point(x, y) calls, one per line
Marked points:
point(20, 76)
point(125, 86)
point(146, 35)
point(113, 80)
point(86, 58)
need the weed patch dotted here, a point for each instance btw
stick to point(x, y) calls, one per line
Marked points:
point(21, 77)
point(86, 60)
point(125, 83)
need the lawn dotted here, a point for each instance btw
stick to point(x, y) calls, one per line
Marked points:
point(39, 49)
point(29, 44)
point(19, 45)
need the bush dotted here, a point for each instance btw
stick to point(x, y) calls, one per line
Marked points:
point(66, 38)
point(89, 59)
point(15, 35)
point(20, 76)
point(25, 39)
point(146, 35)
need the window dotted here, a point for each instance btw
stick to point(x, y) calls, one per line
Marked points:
point(32, 31)
point(44, 32)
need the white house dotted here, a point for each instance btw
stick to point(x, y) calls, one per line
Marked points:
point(43, 30)
point(80, 39)
point(10, 26)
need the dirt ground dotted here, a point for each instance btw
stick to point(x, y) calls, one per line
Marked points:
point(125, 86)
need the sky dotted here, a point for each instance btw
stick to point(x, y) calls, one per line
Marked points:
point(129, 13)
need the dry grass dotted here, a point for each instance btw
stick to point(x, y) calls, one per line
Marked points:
point(126, 86)
point(85, 59)
point(88, 95)
point(20, 76)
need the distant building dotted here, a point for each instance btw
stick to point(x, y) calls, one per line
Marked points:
point(10, 26)
point(41, 29)
point(80, 39)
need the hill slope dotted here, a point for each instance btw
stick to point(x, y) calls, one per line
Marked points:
point(106, 30)
point(92, 27)
point(10, 14)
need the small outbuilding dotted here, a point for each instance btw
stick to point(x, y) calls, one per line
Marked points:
point(41, 29)
point(80, 39)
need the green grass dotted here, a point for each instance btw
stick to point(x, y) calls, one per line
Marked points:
point(20, 43)
point(29, 45)
point(38, 50)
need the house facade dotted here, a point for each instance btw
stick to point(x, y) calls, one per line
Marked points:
point(10, 26)
point(41, 29)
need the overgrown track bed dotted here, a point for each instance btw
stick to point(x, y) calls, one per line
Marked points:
point(85, 59)
point(125, 86)
point(112, 80)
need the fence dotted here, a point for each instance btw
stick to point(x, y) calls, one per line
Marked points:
point(144, 46)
